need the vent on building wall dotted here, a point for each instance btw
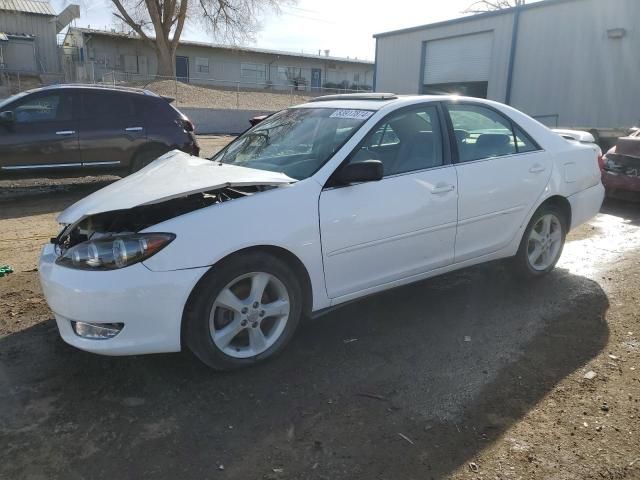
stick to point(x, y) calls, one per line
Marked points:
point(616, 33)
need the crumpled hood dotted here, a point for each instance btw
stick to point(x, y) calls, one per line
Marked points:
point(175, 174)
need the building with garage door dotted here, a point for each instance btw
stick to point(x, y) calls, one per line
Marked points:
point(564, 62)
point(28, 30)
point(99, 55)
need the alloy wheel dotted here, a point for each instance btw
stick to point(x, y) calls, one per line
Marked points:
point(249, 315)
point(545, 242)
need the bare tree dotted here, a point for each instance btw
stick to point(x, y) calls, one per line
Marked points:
point(227, 20)
point(482, 6)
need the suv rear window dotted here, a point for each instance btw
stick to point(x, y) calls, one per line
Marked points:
point(155, 110)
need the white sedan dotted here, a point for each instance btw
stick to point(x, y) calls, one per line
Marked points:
point(317, 205)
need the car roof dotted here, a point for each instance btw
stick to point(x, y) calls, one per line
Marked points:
point(377, 101)
point(80, 86)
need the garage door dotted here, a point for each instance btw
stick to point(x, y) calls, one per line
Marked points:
point(458, 59)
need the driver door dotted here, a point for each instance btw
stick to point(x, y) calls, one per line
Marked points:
point(404, 225)
point(43, 134)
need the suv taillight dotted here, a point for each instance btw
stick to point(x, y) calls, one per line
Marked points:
point(185, 124)
point(188, 125)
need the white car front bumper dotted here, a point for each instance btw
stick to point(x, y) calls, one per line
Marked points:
point(149, 304)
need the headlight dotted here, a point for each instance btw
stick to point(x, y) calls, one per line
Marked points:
point(111, 253)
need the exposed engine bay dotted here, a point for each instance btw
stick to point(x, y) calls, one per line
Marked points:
point(133, 220)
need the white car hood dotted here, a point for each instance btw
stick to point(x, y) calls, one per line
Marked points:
point(173, 175)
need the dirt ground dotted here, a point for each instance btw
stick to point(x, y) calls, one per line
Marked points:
point(466, 376)
point(190, 95)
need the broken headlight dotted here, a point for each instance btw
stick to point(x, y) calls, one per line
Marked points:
point(111, 253)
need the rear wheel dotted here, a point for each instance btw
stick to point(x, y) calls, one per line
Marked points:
point(542, 243)
point(145, 157)
point(243, 312)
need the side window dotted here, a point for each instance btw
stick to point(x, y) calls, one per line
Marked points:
point(405, 142)
point(154, 111)
point(105, 106)
point(524, 144)
point(481, 133)
point(45, 108)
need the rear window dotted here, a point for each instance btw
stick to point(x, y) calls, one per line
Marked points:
point(156, 110)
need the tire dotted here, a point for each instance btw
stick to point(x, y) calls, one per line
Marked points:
point(208, 312)
point(523, 263)
point(145, 157)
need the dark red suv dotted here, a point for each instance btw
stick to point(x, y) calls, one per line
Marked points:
point(90, 129)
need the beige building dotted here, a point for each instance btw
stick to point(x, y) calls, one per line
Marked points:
point(98, 55)
point(28, 30)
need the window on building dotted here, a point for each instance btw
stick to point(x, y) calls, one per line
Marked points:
point(356, 77)
point(130, 63)
point(253, 72)
point(202, 65)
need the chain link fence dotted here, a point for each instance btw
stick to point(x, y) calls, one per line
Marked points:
point(194, 92)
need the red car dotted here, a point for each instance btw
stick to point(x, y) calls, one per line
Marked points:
point(621, 169)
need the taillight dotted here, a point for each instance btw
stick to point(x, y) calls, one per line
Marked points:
point(185, 124)
point(601, 162)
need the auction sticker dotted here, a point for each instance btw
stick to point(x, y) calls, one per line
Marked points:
point(353, 114)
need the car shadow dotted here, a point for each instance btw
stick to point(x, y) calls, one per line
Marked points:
point(411, 383)
point(628, 211)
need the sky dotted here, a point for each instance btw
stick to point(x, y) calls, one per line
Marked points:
point(344, 27)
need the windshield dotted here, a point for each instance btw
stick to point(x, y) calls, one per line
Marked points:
point(7, 101)
point(296, 142)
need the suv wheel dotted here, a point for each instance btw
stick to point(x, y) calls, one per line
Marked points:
point(145, 157)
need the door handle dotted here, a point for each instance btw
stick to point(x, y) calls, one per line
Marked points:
point(441, 188)
point(537, 168)
point(133, 129)
point(65, 132)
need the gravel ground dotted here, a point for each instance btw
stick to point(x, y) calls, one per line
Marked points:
point(189, 95)
point(467, 376)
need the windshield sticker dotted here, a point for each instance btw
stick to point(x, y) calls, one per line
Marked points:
point(354, 114)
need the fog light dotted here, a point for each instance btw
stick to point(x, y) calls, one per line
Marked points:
point(97, 331)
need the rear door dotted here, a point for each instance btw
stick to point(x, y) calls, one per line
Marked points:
point(501, 174)
point(111, 128)
point(43, 135)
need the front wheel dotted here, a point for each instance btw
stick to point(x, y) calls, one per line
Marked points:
point(243, 312)
point(542, 243)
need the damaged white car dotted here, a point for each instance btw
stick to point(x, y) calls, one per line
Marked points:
point(316, 205)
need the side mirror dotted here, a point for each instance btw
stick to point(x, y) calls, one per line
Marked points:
point(6, 117)
point(364, 171)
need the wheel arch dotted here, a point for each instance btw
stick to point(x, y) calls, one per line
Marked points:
point(150, 146)
point(562, 204)
point(281, 253)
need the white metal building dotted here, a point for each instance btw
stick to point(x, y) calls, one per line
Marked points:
point(28, 30)
point(565, 62)
point(94, 54)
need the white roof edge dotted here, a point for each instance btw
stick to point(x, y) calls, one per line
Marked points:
point(90, 31)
